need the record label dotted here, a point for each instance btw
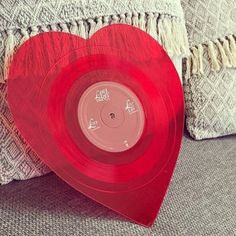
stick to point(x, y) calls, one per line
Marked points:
point(111, 116)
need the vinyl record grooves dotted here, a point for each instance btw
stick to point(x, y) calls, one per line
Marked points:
point(108, 114)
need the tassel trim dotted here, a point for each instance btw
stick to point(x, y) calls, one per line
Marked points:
point(9, 51)
point(220, 54)
point(168, 30)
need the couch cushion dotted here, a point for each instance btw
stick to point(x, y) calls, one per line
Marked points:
point(200, 201)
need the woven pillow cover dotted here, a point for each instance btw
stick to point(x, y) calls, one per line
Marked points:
point(20, 20)
point(210, 71)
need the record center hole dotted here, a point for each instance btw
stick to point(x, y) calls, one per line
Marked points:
point(112, 115)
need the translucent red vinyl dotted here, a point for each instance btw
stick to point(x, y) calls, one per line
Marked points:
point(49, 76)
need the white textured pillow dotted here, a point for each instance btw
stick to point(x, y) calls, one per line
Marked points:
point(210, 74)
point(17, 160)
point(211, 104)
point(163, 20)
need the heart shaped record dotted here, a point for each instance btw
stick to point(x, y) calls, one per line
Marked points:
point(105, 114)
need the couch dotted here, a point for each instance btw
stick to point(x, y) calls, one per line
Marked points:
point(199, 201)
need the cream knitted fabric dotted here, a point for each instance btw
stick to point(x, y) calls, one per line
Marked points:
point(210, 81)
point(22, 19)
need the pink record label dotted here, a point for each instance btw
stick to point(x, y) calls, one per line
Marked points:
point(111, 116)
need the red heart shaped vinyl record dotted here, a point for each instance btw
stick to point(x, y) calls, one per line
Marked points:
point(105, 114)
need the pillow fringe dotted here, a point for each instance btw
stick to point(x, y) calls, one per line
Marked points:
point(212, 52)
point(152, 25)
point(232, 45)
point(170, 31)
point(10, 44)
point(221, 54)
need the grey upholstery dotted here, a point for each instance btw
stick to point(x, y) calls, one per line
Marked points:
point(200, 201)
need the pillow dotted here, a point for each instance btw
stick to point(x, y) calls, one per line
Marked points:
point(210, 70)
point(163, 20)
point(17, 159)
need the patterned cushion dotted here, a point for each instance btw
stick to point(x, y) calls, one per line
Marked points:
point(210, 74)
point(20, 20)
point(211, 103)
point(17, 159)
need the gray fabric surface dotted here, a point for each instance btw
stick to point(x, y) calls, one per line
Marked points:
point(200, 201)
